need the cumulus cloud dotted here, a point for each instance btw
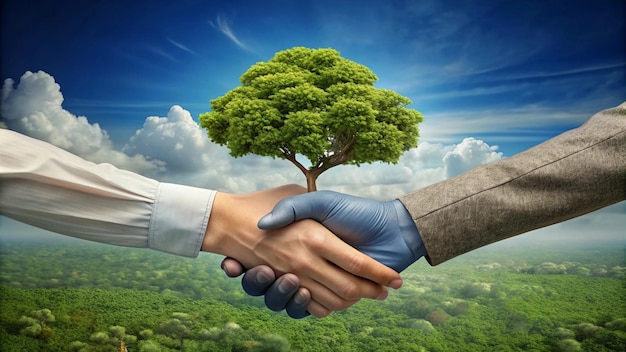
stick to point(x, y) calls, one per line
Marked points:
point(171, 148)
point(34, 107)
point(467, 155)
point(419, 167)
point(176, 140)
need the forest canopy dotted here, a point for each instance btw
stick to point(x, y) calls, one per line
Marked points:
point(90, 297)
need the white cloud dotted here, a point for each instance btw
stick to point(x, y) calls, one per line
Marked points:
point(181, 46)
point(34, 107)
point(467, 155)
point(503, 123)
point(171, 148)
point(419, 167)
point(177, 140)
point(426, 155)
point(224, 27)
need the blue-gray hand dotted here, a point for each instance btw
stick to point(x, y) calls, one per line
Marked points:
point(384, 231)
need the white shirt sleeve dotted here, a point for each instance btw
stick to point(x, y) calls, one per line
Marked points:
point(47, 187)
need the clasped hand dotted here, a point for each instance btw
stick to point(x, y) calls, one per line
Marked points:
point(384, 231)
point(335, 274)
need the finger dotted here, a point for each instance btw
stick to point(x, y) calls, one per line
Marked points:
point(329, 284)
point(317, 310)
point(297, 306)
point(354, 262)
point(337, 289)
point(257, 280)
point(331, 294)
point(281, 292)
point(232, 267)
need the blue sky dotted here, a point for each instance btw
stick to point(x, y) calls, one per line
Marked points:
point(124, 81)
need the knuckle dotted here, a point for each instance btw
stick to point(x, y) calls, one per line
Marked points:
point(356, 264)
point(350, 291)
point(299, 265)
point(316, 241)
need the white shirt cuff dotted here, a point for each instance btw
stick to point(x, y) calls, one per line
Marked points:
point(179, 219)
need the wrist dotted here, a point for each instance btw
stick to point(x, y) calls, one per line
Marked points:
point(215, 227)
point(232, 228)
point(226, 225)
point(409, 231)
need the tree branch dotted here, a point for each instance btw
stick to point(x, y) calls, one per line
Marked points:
point(344, 154)
point(292, 157)
point(336, 159)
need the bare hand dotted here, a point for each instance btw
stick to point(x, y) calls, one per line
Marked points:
point(336, 274)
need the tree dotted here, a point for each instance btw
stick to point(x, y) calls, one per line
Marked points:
point(119, 333)
point(178, 327)
point(150, 346)
point(44, 316)
point(316, 104)
point(101, 338)
point(437, 317)
point(272, 343)
point(569, 345)
point(35, 324)
point(77, 346)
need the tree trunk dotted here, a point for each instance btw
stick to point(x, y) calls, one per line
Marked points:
point(310, 181)
point(312, 175)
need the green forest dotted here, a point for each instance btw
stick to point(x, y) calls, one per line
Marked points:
point(69, 295)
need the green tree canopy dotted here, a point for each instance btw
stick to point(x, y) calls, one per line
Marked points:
point(316, 104)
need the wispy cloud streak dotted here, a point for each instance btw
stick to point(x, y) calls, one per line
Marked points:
point(162, 53)
point(223, 26)
point(574, 71)
point(180, 46)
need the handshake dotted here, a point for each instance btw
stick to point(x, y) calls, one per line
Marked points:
point(322, 251)
point(313, 253)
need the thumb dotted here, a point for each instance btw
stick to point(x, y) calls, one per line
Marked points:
point(290, 210)
point(282, 215)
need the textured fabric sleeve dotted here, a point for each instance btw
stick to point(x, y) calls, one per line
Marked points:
point(577, 172)
point(47, 187)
